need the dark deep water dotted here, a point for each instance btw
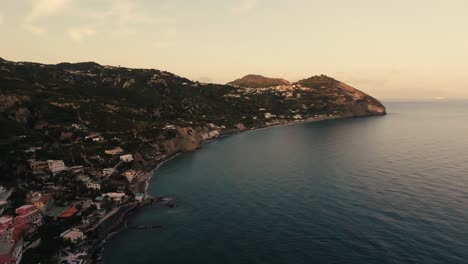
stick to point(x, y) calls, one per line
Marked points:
point(390, 189)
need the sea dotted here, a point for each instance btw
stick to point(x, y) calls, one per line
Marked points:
point(387, 189)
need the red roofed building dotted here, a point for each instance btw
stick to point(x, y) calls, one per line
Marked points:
point(69, 212)
point(28, 214)
point(12, 231)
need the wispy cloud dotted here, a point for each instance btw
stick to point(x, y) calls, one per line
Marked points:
point(127, 12)
point(79, 33)
point(244, 7)
point(40, 9)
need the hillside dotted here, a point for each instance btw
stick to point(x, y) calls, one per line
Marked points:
point(258, 81)
point(149, 112)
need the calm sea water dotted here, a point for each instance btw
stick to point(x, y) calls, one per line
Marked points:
point(390, 189)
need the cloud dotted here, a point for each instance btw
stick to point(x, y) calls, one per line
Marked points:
point(126, 12)
point(40, 9)
point(244, 7)
point(79, 33)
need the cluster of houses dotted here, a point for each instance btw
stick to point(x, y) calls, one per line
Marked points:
point(48, 166)
point(15, 228)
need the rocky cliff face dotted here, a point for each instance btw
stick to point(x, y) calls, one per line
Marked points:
point(154, 112)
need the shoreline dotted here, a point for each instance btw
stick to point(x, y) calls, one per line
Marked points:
point(150, 173)
point(172, 156)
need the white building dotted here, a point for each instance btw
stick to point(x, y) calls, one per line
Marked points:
point(56, 166)
point(126, 158)
point(107, 172)
point(298, 116)
point(98, 139)
point(93, 185)
point(130, 175)
point(139, 197)
point(117, 197)
point(72, 235)
point(114, 151)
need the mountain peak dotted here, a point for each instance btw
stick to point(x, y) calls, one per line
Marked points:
point(258, 81)
point(78, 66)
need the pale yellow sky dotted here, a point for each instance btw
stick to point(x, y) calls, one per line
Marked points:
point(391, 49)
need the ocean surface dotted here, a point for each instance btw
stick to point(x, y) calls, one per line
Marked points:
point(390, 189)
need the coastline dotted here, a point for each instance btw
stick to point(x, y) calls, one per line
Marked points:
point(118, 226)
point(222, 135)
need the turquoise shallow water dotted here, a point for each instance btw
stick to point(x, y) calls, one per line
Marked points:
point(390, 189)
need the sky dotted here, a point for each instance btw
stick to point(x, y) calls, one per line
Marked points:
point(394, 50)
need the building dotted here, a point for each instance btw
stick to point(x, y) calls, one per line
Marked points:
point(56, 166)
point(40, 200)
point(130, 175)
point(6, 222)
point(12, 231)
point(73, 235)
point(96, 137)
point(107, 172)
point(126, 158)
point(139, 197)
point(93, 185)
point(71, 211)
point(90, 184)
point(67, 257)
point(114, 151)
point(39, 167)
point(98, 202)
point(117, 197)
point(76, 169)
point(11, 247)
point(29, 215)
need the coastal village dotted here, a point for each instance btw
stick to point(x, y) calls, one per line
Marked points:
point(79, 202)
point(79, 143)
point(74, 207)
